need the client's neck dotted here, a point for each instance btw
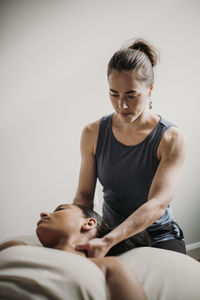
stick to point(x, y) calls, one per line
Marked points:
point(68, 245)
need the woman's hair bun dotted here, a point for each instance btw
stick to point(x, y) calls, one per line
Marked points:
point(147, 48)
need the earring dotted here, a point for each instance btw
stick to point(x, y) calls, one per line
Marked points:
point(150, 103)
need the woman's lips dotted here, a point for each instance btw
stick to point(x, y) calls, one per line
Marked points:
point(125, 114)
point(41, 221)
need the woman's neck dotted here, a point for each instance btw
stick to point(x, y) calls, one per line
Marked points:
point(69, 246)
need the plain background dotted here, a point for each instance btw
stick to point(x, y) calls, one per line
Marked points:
point(53, 61)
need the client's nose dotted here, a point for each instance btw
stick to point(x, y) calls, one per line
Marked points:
point(44, 214)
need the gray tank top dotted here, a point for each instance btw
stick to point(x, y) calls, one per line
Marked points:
point(126, 174)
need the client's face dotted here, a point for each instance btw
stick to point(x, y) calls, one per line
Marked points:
point(65, 221)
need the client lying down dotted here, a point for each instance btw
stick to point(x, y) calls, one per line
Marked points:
point(71, 224)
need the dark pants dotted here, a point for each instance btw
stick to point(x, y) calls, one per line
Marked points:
point(174, 245)
point(177, 244)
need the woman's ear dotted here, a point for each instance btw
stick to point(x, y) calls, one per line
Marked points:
point(150, 89)
point(89, 224)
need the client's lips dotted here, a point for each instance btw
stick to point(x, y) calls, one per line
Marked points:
point(42, 220)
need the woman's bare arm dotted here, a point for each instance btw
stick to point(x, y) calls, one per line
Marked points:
point(121, 280)
point(11, 244)
point(87, 177)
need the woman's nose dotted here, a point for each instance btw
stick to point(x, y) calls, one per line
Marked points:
point(122, 104)
point(44, 214)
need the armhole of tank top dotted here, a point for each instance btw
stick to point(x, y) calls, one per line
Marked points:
point(99, 137)
point(159, 139)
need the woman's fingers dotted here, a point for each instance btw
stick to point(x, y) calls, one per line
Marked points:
point(95, 248)
point(81, 246)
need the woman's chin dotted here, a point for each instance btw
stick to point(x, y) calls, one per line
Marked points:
point(44, 237)
point(127, 118)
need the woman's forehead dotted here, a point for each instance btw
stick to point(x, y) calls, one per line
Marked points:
point(115, 74)
point(127, 79)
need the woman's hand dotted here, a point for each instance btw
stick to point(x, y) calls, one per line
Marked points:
point(95, 247)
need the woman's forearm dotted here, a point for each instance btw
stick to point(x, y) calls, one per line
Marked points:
point(138, 221)
point(83, 200)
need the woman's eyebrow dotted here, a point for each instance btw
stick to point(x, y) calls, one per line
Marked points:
point(62, 206)
point(128, 92)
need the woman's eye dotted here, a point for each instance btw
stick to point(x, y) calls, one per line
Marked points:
point(57, 209)
point(130, 97)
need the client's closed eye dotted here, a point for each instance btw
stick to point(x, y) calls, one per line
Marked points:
point(61, 207)
point(57, 209)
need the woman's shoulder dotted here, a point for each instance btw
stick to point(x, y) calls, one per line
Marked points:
point(92, 128)
point(171, 132)
point(91, 131)
point(90, 134)
point(172, 139)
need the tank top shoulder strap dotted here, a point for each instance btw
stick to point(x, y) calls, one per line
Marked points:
point(160, 130)
point(166, 123)
point(103, 131)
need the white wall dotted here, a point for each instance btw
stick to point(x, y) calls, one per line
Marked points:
point(53, 58)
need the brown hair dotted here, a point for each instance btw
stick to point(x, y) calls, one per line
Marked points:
point(139, 56)
point(102, 226)
point(141, 239)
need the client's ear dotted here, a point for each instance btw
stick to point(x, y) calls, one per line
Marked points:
point(89, 224)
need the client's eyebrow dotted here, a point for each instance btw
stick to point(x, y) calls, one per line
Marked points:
point(62, 206)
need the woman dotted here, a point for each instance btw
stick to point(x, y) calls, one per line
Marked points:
point(70, 224)
point(136, 155)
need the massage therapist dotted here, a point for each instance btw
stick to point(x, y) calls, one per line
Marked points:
point(136, 155)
